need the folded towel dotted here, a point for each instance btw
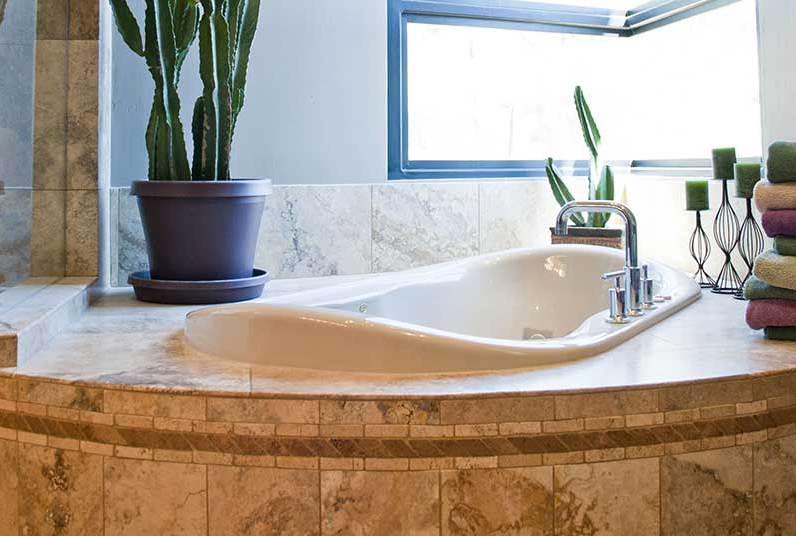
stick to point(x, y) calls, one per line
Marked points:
point(776, 270)
point(766, 313)
point(770, 196)
point(781, 165)
point(785, 245)
point(779, 222)
point(755, 289)
point(783, 333)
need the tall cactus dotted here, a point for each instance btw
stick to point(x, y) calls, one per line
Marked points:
point(604, 188)
point(226, 30)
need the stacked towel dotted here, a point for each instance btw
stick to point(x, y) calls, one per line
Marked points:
point(772, 290)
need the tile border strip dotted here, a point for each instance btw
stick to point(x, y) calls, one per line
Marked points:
point(224, 448)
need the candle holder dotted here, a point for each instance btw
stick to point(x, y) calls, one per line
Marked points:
point(699, 245)
point(750, 244)
point(725, 230)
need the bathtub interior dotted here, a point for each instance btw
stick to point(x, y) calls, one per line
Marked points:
point(513, 296)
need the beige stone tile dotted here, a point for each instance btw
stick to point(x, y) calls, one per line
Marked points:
point(145, 497)
point(48, 238)
point(362, 502)
point(498, 501)
point(496, 410)
point(430, 464)
point(606, 404)
point(61, 493)
point(705, 394)
point(604, 423)
point(516, 428)
point(561, 458)
point(475, 462)
point(597, 498)
point(707, 493)
point(157, 405)
point(9, 458)
point(82, 111)
point(386, 430)
point(775, 487)
point(386, 464)
point(83, 19)
point(51, 19)
point(49, 135)
point(568, 425)
point(341, 430)
point(57, 394)
point(644, 419)
point(469, 430)
point(603, 455)
point(82, 233)
point(253, 500)
point(8, 389)
point(379, 412)
point(519, 460)
point(262, 410)
point(431, 430)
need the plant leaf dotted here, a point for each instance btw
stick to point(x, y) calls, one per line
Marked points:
point(126, 25)
point(591, 134)
point(560, 190)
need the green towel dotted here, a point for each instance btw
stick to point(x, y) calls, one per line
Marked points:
point(785, 245)
point(776, 270)
point(755, 289)
point(781, 164)
point(781, 333)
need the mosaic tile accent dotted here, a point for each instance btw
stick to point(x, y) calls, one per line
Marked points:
point(177, 423)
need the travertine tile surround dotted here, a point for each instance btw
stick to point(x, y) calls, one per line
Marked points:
point(50, 216)
point(118, 428)
point(668, 460)
point(312, 231)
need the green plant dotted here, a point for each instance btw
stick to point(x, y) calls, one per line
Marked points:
point(604, 188)
point(226, 31)
point(2, 10)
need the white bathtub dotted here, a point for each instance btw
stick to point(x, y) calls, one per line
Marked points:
point(513, 309)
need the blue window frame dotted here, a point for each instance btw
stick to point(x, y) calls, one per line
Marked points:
point(523, 15)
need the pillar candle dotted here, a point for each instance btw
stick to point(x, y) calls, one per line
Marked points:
point(746, 176)
point(723, 160)
point(696, 195)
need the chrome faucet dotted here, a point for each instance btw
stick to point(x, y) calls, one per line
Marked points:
point(630, 300)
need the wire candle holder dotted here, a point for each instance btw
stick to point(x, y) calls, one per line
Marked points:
point(750, 244)
point(699, 245)
point(725, 230)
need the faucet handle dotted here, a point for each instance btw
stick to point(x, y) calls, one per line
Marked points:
point(647, 289)
point(616, 276)
point(617, 306)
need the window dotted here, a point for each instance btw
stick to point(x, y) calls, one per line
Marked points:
point(483, 88)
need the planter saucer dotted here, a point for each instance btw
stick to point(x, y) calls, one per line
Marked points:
point(197, 292)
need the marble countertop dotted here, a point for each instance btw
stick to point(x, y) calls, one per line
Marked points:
point(119, 342)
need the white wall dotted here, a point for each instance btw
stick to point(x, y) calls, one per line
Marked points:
point(316, 99)
point(777, 27)
point(316, 109)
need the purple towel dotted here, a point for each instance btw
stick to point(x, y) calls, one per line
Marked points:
point(766, 313)
point(779, 222)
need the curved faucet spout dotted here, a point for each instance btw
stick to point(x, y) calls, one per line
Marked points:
point(631, 241)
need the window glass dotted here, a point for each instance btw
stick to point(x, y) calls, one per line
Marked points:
point(479, 93)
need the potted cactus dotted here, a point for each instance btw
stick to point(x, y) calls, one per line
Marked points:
point(592, 229)
point(201, 226)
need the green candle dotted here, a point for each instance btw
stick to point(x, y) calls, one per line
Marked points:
point(723, 160)
point(696, 195)
point(746, 176)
